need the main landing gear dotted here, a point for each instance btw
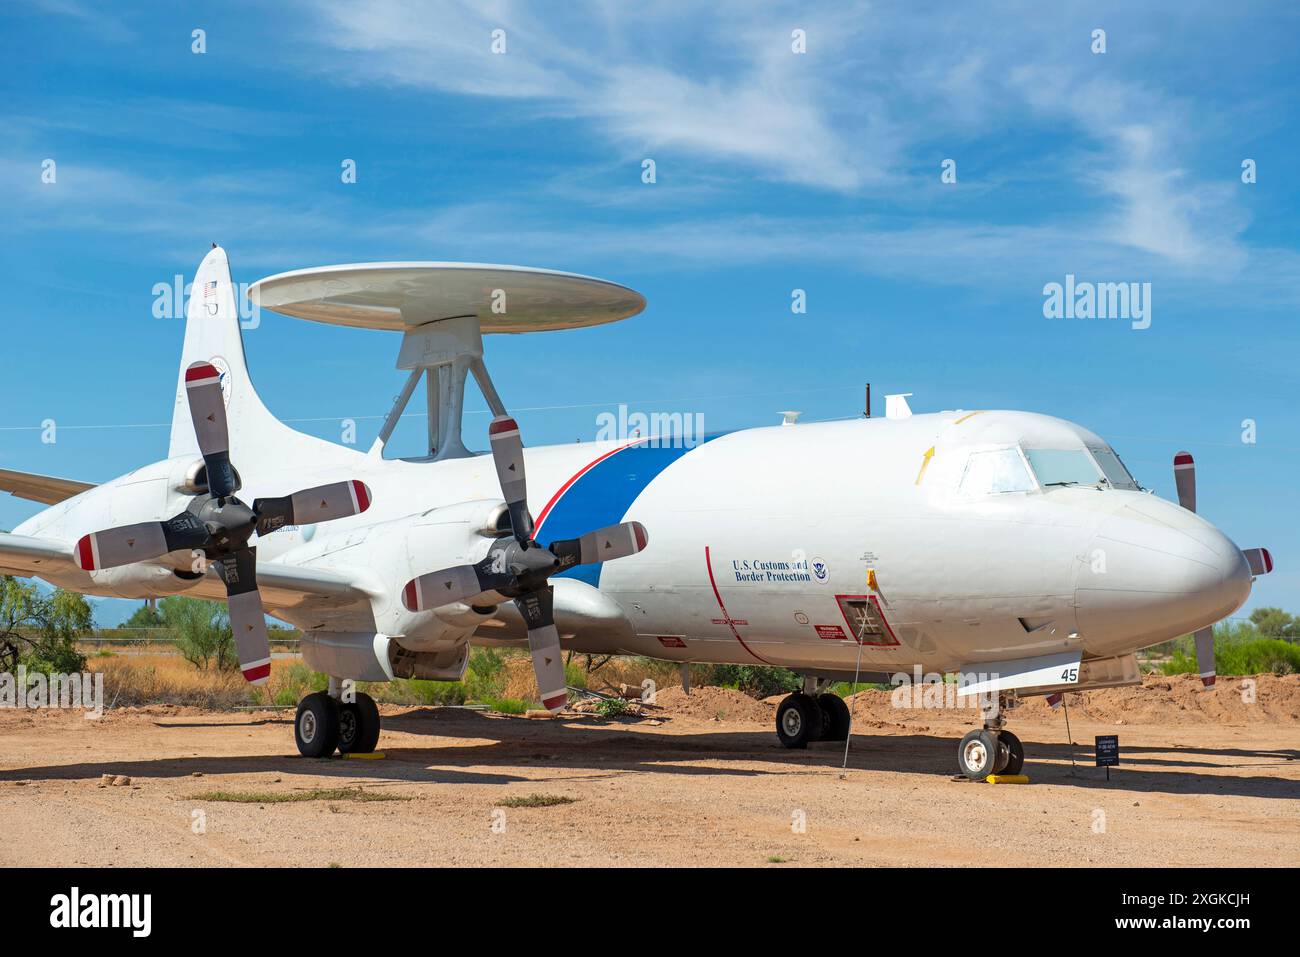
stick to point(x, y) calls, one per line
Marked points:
point(993, 749)
point(802, 718)
point(325, 723)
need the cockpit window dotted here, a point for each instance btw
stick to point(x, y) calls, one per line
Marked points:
point(1063, 467)
point(1116, 474)
point(997, 470)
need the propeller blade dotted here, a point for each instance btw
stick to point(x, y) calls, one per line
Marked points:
point(247, 618)
point(538, 609)
point(321, 504)
point(508, 456)
point(1259, 559)
point(1205, 656)
point(125, 544)
point(208, 412)
point(1185, 480)
point(459, 583)
point(602, 545)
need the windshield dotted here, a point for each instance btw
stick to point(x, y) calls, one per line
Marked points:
point(1116, 473)
point(1063, 467)
point(997, 470)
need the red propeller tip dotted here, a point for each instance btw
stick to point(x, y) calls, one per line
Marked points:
point(200, 372)
point(86, 553)
point(361, 491)
point(411, 596)
point(1268, 560)
point(257, 674)
point(1183, 460)
point(556, 702)
point(638, 530)
point(503, 424)
point(1208, 681)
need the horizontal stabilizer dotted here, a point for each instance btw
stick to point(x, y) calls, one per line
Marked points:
point(45, 489)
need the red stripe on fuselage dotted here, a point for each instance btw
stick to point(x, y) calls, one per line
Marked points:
point(546, 510)
point(708, 561)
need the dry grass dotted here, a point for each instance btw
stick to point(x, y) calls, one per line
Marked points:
point(168, 679)
point(156, 674)
point(536, 800)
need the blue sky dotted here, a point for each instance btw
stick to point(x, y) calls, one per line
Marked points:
point(775, 171)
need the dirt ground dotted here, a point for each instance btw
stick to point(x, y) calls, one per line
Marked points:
point(1207, 778)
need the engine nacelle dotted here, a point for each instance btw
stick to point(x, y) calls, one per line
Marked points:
point(397, 551)
point(368, 656)
point(143, 580)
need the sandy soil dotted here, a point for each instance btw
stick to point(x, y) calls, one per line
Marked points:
point(702, 782)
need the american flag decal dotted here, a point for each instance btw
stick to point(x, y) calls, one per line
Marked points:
point(209, 289)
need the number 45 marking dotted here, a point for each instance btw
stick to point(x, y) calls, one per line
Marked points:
point(1070, 675)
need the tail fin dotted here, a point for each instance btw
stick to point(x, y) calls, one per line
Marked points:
point(212, 334)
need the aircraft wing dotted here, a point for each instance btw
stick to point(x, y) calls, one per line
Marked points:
point(581, 613)
point(23, 555)
point(283, 586)
point(292, 586)
point(41, 488)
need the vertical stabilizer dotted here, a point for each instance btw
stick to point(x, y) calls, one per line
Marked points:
point(212, 334)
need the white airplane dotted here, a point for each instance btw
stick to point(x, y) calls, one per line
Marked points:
point(1012, 548)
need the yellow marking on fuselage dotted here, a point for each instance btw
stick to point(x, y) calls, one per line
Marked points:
point(969, 415)
point(925, 460)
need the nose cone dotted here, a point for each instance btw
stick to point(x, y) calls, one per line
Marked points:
point(1155, 571)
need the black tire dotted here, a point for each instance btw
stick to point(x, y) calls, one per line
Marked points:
point(1015, 753)
point(837, 716)
point(799, 720)
point(316, 726)
point(977, 755)
point(359, 725)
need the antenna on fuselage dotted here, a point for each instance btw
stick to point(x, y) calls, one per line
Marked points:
point(866, 403)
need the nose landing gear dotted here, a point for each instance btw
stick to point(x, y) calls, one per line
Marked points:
point(992, 750)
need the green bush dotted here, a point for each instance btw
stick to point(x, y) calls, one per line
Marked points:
point(1239, 649)
point(575, 676)
point(202, 631)
point(507, 705)
point(41, 629)
point(485, 676)
point(755, 681)
point(611, 707)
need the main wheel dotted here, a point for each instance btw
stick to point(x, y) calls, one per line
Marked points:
point(359, 725)
point(837, 715)
point(799, 720)
point(316, 726)
point(1015, 753)
point(977, 755)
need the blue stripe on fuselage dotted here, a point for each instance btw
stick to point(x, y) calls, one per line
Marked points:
point(603, 495)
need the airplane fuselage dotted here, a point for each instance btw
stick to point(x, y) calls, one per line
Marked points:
point(780, 546)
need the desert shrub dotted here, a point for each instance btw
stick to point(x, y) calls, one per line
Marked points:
point(201, 630)
point(611, 707)
point(1239, 649)
point(755, 681)
point(41, 629)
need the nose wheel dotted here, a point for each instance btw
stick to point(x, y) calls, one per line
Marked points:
point(993, 749)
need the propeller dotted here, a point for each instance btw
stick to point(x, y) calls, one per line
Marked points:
point(220, 525)
point(1259, 559)
point(519, 569)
